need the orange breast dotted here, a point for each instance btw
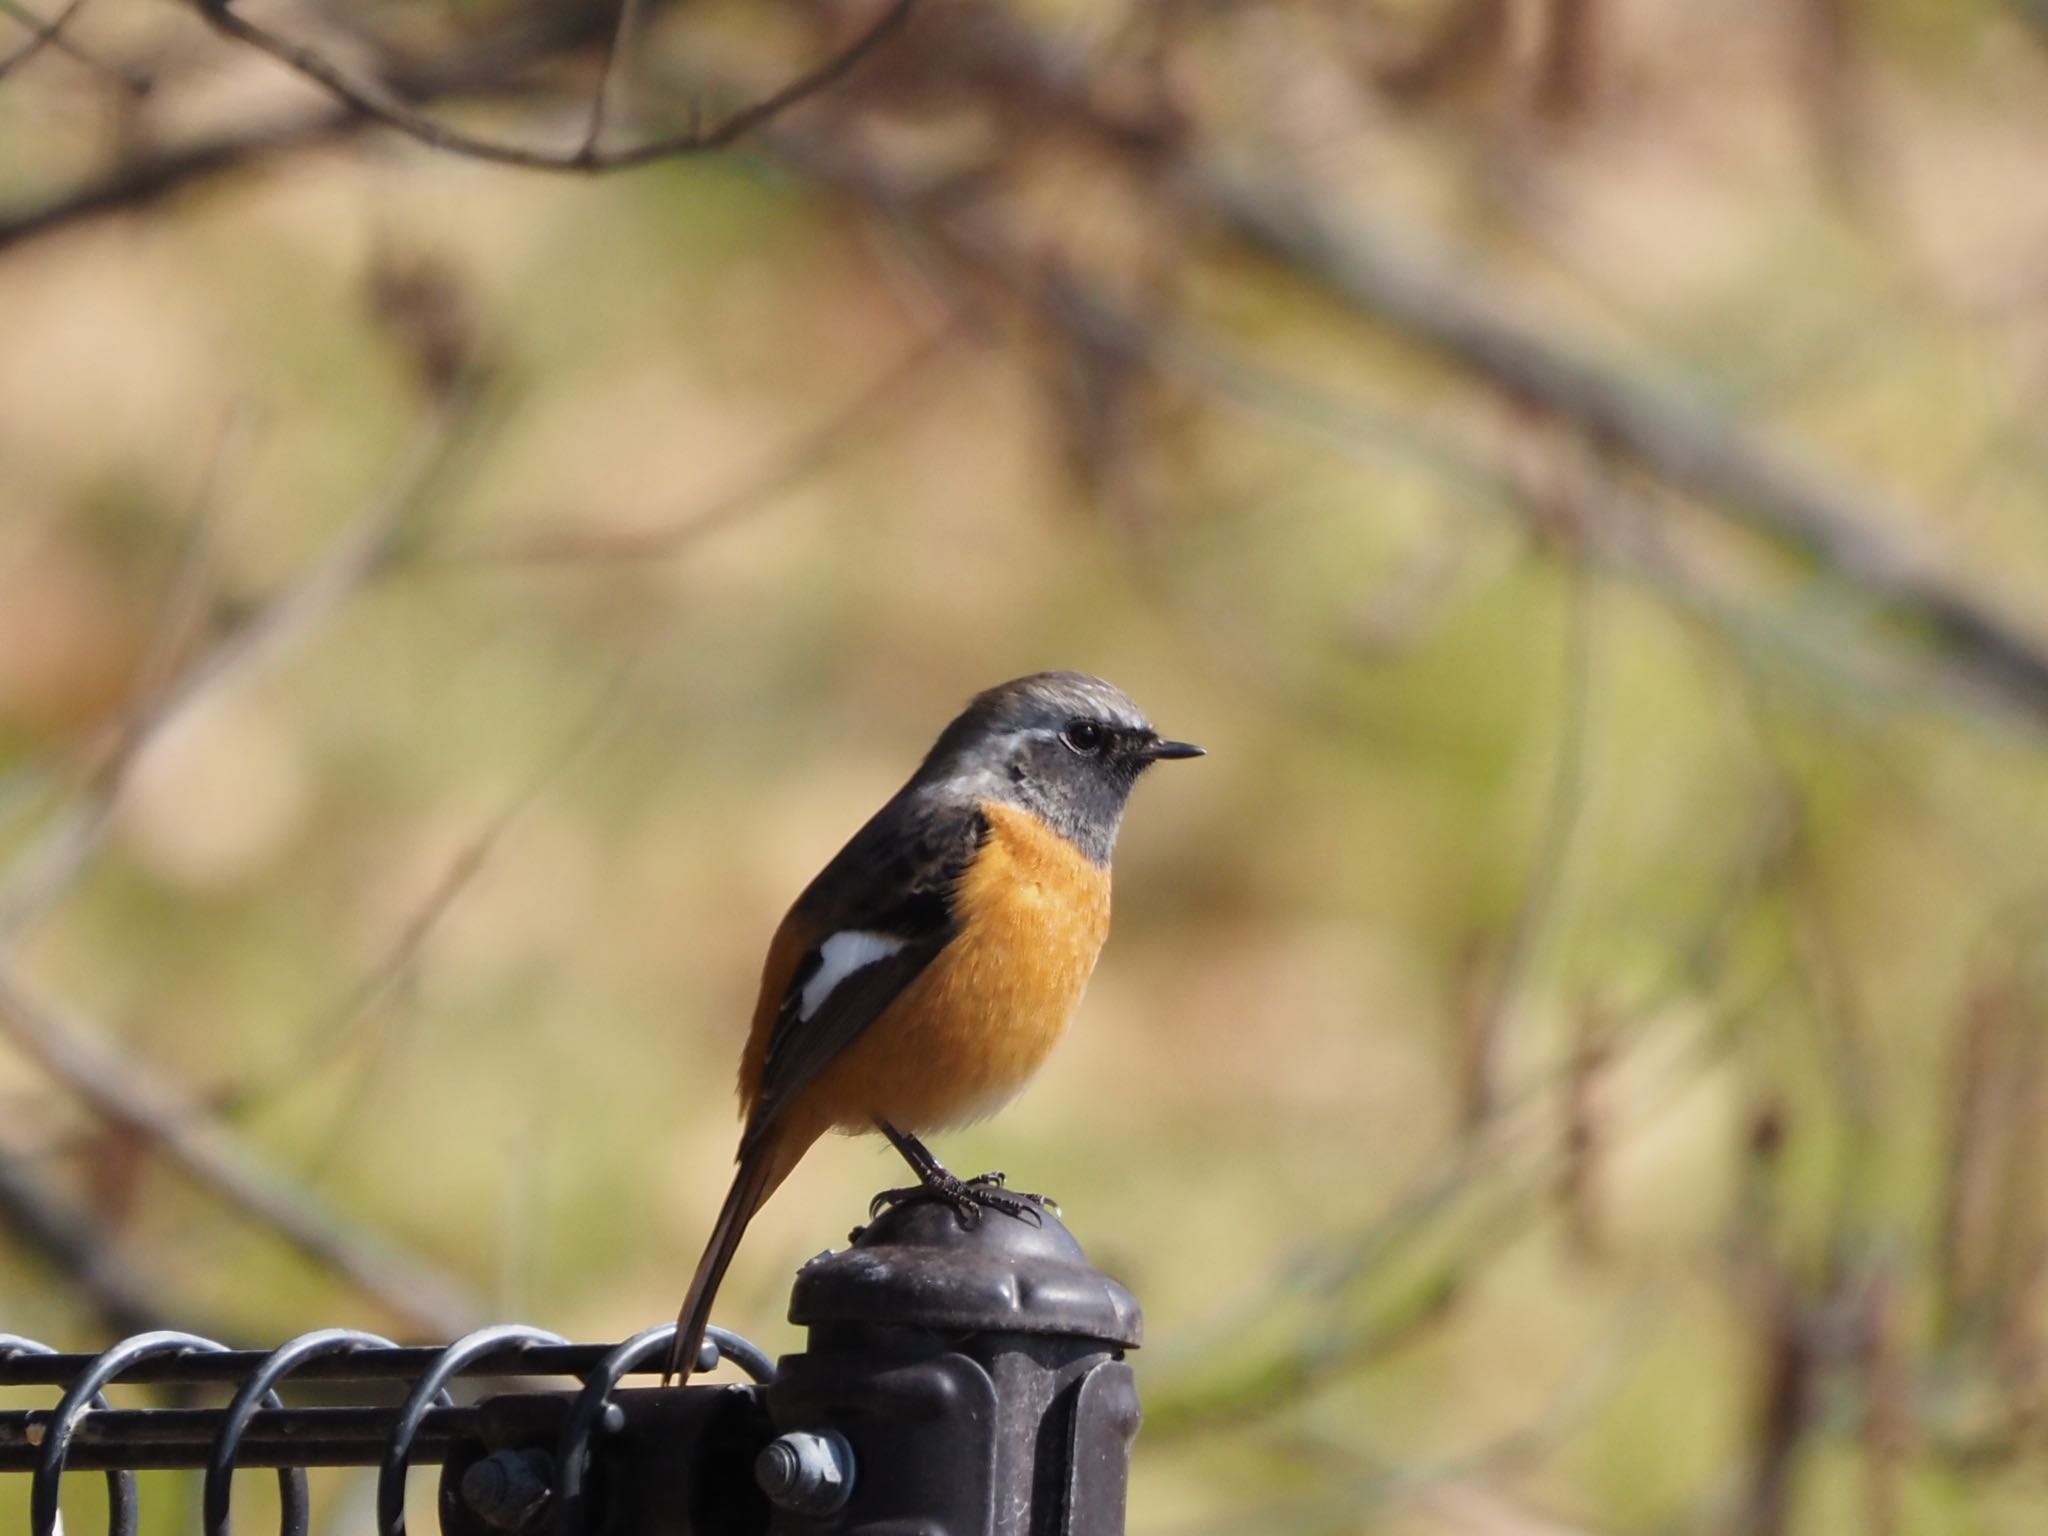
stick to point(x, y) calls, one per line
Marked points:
point(969, 1032)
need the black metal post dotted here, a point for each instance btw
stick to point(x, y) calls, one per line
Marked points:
point(959, 1381)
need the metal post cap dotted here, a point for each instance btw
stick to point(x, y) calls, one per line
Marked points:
point(920, 1265)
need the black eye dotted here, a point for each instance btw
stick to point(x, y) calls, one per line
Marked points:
point(1084, 736)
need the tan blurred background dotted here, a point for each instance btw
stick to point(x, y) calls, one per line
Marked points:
point(1573, 1059)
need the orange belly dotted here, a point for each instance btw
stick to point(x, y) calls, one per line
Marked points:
point(970, 1032)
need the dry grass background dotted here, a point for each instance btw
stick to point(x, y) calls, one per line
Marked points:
point(1570, 1060)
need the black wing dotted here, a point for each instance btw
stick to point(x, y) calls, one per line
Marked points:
point(896, 877)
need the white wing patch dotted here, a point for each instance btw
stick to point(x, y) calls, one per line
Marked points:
point(838, 958)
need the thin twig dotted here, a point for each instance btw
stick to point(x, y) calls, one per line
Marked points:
point(338, 1026)
point(191, 577)
point(52, 34)
point(787, 468)
point(41, 33)
point(140, 181)
point(486, 67)
point(64, 849)
point(1565, 804)
point(376, 101)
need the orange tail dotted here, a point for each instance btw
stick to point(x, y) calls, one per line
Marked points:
point(763, 1167)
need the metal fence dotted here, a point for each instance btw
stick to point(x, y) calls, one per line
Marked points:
point(957, 1380)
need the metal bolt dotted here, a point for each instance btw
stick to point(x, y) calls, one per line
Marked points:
point(509, 1489)
point(806, 1472)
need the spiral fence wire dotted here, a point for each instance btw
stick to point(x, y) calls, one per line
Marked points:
point(255, 1428)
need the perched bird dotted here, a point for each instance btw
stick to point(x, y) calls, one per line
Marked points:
point(926, 972)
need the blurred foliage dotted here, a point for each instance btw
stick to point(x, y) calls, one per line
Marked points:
point(1570, 1059)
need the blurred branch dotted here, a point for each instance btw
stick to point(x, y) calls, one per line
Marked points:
point(1377, 1484)
point(143, 179)
point(362, 552)
point(1579, 1184)
point(1481, 1030)
point(485, 66)
point(431, 1302)
point(1471, 1506)
point(54, 34)
point(1884, 1370)
point(482, 68)
point(1838, 525)
point(376, 101)
point(333, 1032)
point(184, 603)
point(1783, 1407)
point(1440, 1501)
point(1467, 42)
point(624, 30)
point(1314, 1358)
point(1481, 1197)
point(1990, 1238)
point(41, 33)
point(1829, 43)
point(67, 846)
point(793, 463)
point(1570, 59)
point(74, 1245)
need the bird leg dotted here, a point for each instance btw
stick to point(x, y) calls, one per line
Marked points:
point(936, 1182)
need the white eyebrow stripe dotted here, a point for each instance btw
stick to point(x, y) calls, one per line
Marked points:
point(838, 958)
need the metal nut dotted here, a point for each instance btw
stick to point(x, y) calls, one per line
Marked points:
point(806, 1472)
point(509, 1489)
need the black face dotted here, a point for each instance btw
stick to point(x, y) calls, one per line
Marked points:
point(1063, 745)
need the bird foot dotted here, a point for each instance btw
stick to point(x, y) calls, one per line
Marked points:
point(968, 1197)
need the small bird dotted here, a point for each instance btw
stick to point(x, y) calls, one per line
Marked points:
point(924, 975)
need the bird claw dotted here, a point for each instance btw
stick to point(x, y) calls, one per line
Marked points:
point(889, 1199)
point(968, 1197)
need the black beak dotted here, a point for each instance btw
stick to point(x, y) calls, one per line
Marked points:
point(1164, 751)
